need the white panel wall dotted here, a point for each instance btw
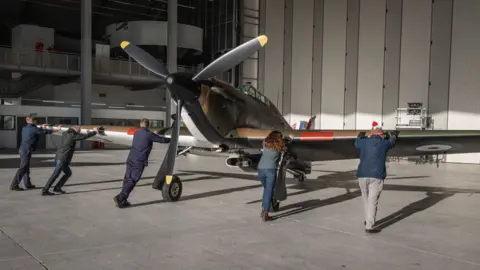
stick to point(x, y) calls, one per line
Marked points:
point(302, 53)
point(333, 68)
point(391, 76)
point(442, 11)
point(371, 54)
point(317, 63)
point(274, 29)
point(465, 66)
point(250, 27)
point(415, 52)
point(351, 64)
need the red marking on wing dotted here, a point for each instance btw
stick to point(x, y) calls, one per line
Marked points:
point(131, 131)
point(316, 136)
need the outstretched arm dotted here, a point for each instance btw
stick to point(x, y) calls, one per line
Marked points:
point(43, 130)
point(81, 137)
point(159, 138)
point(358, 140)
point(391, 141)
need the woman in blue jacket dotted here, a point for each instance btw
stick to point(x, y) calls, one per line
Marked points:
point(273, 146)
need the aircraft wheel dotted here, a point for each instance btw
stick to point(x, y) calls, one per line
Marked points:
point(173, 191)
point(300, 177)
point(275, 205)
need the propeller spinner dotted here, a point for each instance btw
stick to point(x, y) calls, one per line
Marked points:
point(179, 87)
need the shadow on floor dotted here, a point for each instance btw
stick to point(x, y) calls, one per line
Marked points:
point(348, 181)
point(305, 206)
point(201, 195)
point(415, 207)
point(45, 162)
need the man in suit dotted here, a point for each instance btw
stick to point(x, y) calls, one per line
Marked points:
point(137, 160)
point(30, 135)
point(63, 157)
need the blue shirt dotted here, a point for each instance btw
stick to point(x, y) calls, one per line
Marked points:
point(373, 155)
point(142, 145)
point(30, 134)
point(269, 159)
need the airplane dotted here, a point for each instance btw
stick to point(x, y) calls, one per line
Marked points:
point(223, 119)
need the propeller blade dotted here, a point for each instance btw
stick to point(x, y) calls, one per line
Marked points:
point(168, 164)
point(144, 59)
point(232, 58)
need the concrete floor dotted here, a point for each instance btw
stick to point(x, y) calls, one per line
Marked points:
point(430, 217)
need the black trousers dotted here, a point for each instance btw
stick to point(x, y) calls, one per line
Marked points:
point(24, 171)
point(133, 173)
point(59, 167)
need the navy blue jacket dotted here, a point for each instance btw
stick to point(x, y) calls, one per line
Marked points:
point(373, 155)
point(30, 134)
point(142, 145)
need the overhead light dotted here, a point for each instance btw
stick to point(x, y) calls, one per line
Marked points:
point(75, 105)
point(99, 104)
point(116, 107)
point(136, 106)
point(53, 101)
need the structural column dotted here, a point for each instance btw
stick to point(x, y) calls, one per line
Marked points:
point(86, 64)
point(172, 44)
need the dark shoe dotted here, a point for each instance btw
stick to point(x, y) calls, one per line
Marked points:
point(30, 186)
point(373, 231)
point(59, 190)
point(16, 188)
point(118, 203)
point(47, 193)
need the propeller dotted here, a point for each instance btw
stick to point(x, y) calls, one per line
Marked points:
point(182, 88)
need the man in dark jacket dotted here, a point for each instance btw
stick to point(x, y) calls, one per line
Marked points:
point(372, 170)
point(137, 160)
point(30, 134)
point(63, 157)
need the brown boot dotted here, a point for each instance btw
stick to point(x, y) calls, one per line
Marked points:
point(261, 214)
point(266, 217)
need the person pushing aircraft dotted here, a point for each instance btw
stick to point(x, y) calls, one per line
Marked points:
point(30, 135)
point(372, 171)
point(137, 160)
point(63, 157)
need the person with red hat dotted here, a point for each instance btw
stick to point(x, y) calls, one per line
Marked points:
point(371, 171)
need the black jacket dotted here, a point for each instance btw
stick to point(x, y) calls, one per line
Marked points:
point(69, 141)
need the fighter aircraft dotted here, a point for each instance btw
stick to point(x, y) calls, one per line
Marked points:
point(225, 119)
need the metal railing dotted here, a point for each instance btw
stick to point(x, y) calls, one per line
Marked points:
point(71, 63)
point(95, 105)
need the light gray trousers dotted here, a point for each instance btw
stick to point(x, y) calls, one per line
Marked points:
point(371, 189)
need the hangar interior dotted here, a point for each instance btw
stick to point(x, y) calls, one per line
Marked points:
point(351, 62)
point(405, 63)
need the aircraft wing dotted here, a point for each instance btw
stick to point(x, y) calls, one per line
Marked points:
point(320, 145)
point(123, 135)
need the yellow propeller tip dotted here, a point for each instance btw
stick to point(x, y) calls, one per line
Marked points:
point(124, 44)
point(263, 40)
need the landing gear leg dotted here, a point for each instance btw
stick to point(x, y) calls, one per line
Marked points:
point(275, 205)
point(172, 190)
point(300, 177)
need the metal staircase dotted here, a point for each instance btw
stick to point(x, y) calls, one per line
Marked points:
point(15, 88)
